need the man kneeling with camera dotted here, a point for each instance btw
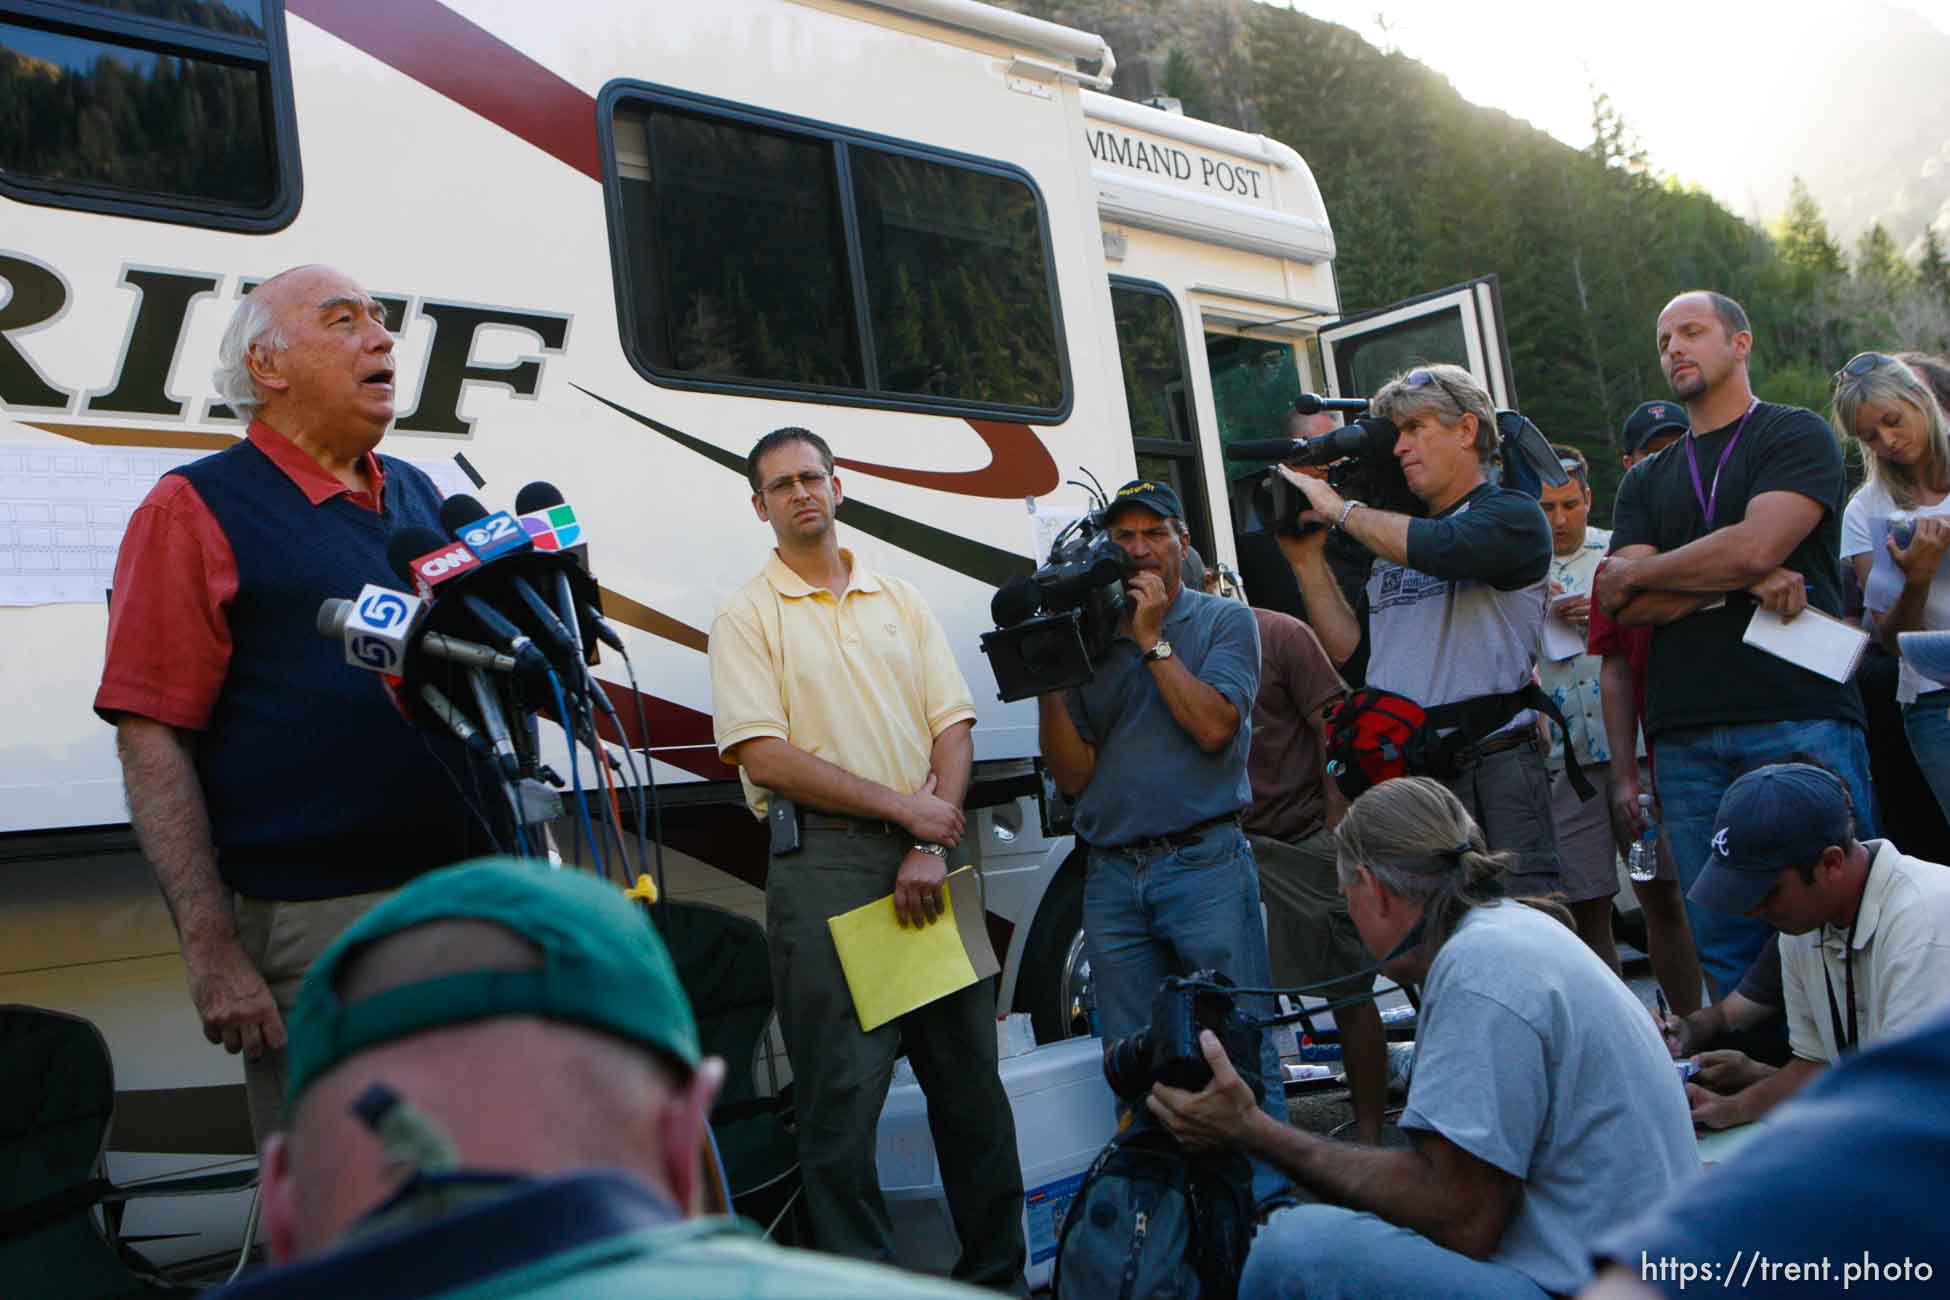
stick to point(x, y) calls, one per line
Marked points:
point(1542, 1099)
point(1454, 605)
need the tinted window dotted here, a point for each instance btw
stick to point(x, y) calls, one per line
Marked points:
point(784, 256)
point(956, 281)
point(177, 110)
point(736, 253)
point(93, 113)
point(1153, 364)
point(237, 17)
point(1371, 360)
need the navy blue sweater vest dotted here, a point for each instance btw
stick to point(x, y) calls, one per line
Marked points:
point(316, 786)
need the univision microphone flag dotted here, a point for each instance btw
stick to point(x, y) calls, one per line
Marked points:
point(553, 529)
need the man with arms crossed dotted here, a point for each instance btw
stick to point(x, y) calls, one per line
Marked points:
point(273, 788)
point(1744, 511)
point(833, 687)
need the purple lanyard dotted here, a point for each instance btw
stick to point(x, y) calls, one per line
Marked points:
point(1708, 501)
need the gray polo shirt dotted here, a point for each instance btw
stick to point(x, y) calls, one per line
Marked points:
point(1151, 777)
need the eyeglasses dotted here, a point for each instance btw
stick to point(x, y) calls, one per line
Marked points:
point(1422, 377)
point(812, 481)
point(1861, 364)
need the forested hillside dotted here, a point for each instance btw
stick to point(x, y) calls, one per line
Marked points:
point(1425, 189)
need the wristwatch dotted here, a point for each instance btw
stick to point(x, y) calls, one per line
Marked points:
point(1161, 649)
point(932, 850)
point(1346, 510)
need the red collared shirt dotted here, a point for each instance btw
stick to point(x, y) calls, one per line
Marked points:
point(175, 577)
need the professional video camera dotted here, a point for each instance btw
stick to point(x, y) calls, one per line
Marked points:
point(1053, 625)
point(1168, 1050)
point(1361, 464)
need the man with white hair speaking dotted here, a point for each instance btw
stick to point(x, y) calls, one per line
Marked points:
point(274, 790)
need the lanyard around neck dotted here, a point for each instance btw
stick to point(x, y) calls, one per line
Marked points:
point(1846, 1041)
point(1707, 501)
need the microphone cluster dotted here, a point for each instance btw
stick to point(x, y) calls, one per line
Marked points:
point(494, 626)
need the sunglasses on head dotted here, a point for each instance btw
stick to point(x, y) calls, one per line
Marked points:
point(1861, 364)
point(1422, 377)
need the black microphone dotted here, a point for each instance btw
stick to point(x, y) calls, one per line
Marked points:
point(1281, 449)
point(1016, 601)
point(1314, 404)
point(408, 546)
point(495, 537)
point(537, 498)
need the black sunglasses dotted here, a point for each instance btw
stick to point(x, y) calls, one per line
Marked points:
point(1861, 364)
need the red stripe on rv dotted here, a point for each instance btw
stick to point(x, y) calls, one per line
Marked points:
point(1019, 466)
point(679, 735)
point(471, 66)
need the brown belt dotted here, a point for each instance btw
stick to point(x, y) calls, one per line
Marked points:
point(1176, 839)
point(1512, 739)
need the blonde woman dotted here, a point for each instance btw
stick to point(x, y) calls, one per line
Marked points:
point(1893, 414)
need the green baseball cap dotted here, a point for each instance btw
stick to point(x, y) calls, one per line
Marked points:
point(601, 965)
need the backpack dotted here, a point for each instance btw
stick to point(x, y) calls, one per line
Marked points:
point(1152, 1221)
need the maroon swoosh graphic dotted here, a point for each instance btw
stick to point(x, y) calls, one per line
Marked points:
point(471, 66)
point(1019, 466)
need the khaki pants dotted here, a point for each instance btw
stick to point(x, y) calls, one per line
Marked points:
point(842, 1072)
point(282, 939)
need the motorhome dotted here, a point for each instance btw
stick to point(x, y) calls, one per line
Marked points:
point(616, 243)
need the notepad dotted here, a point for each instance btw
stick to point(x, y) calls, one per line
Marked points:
point(1562, 640)
point(891, 969)
point(1819, 642)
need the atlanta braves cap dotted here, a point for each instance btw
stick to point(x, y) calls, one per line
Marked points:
point(1649, 420)
point(599, 964)
point(1159, 498)
point(1775, 817)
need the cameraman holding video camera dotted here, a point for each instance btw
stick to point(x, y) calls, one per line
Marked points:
point(1454, 607)
point(1153, 749)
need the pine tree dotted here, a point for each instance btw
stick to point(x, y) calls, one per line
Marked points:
point(1803, 235)
point(1877, 259)
point(1933, 271)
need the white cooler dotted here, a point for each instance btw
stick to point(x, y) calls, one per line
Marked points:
point(1065, 1113)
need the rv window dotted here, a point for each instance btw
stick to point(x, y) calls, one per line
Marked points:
point(1254, 382)
point(983, 330)
point(1370, 361)
point(147, 108)
point(736, 252)
point(778, 256)
point(1150, 345)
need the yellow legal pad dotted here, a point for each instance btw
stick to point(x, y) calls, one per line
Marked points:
point(892, 970)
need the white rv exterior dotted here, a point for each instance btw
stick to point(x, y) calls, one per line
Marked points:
point(486, 166)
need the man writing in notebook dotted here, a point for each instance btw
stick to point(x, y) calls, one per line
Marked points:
point(1865, 931)
point(833, 688)
point(1744, 512)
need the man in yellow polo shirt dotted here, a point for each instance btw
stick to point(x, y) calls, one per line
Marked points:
point(833, 687)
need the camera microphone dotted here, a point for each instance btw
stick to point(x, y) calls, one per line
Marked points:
point(1314, 404)
point(1016, 601)
point(1266, 449)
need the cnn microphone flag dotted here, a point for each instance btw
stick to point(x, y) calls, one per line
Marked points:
point(552, 529)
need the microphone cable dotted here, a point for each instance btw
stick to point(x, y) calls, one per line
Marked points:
point(649, 782)
point(568, 721)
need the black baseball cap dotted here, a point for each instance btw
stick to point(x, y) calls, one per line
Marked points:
point(1157, 497)
point(1775, 817)
point(1649, 420)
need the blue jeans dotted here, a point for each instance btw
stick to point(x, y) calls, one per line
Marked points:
point(1324, 1252)
point(1927, 722)
point(1153, 912)
point(1695, 767)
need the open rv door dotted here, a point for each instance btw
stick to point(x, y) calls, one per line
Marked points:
point(1462, 324)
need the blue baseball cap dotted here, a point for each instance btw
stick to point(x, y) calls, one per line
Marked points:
point(1775, 817)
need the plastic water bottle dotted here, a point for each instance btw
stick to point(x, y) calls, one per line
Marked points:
point(1643, 864)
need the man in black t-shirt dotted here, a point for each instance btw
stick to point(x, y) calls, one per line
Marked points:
point(1742, 514)
point(1454, 606)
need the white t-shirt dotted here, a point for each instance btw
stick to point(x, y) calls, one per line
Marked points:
point(1865, 523)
